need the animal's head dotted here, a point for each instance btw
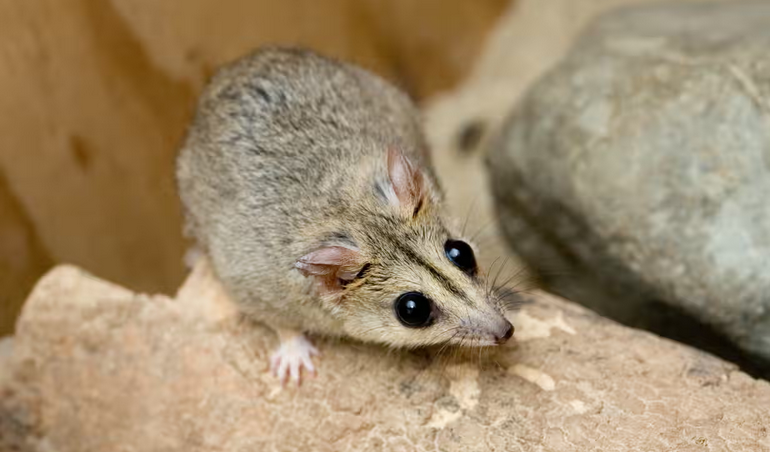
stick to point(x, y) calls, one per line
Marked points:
point(402, 275)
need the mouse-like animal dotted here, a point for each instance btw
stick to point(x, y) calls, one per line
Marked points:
point(307, 182)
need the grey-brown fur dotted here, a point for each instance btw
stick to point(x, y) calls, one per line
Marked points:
point(287, 154)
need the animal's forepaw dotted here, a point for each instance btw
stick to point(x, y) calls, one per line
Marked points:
point(292, 355)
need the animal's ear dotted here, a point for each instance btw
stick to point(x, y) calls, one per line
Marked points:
point(407, 180)
point(332, 266)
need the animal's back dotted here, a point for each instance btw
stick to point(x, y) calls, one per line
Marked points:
point(273, 160)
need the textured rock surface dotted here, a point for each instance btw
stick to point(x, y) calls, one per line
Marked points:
point(95, 367)
point(641, 165)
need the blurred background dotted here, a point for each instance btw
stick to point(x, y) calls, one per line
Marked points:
point(96, 95)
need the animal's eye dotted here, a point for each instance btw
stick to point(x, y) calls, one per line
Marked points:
point(461, 254)
point(414, 310)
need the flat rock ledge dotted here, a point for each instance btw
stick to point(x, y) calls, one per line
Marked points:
point(96, 367)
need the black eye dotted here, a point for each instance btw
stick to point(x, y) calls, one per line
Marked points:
point(461, 254)
point(414, 310)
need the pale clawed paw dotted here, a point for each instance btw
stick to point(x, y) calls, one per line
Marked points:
point(292, 355)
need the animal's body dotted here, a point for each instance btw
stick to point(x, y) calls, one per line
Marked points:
point(307, 183)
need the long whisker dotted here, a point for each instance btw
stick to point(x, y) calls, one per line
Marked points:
point(375, 328)
point(446, 347)
point(509, 299)
point(515, 275)
point(468, 215)
point(446, 344)
point(486, 277)
point(482, 229)
point(502, 267)
point(440, 333)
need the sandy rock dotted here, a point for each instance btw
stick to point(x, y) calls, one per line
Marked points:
point(96, 367)
point(641, 166)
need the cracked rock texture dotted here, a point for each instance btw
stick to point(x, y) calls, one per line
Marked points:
point(640, 167)
point(95, 367)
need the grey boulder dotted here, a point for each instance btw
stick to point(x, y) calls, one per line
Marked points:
point(635, 175)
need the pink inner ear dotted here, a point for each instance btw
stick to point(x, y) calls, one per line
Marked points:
point(407, 180)
point(330, 264)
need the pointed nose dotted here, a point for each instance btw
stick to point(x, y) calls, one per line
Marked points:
point(507, 333)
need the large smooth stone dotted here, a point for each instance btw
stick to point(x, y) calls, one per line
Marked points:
point(639, 167)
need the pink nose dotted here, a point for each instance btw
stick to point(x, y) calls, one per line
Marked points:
point(507, 333)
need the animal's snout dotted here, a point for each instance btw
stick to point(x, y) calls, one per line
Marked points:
point(505, 333)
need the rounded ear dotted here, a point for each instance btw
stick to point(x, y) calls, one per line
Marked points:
point(407, 181)
point(332, 266)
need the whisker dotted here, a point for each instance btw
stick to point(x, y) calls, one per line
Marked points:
point(468, 215)
point(375, 328)
point(446, 347)
point(486, 276)
point(482, 229)
point(502, 267)
point(439, 333)
point(510, 299)
point(515, 275)
point(448, 342)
